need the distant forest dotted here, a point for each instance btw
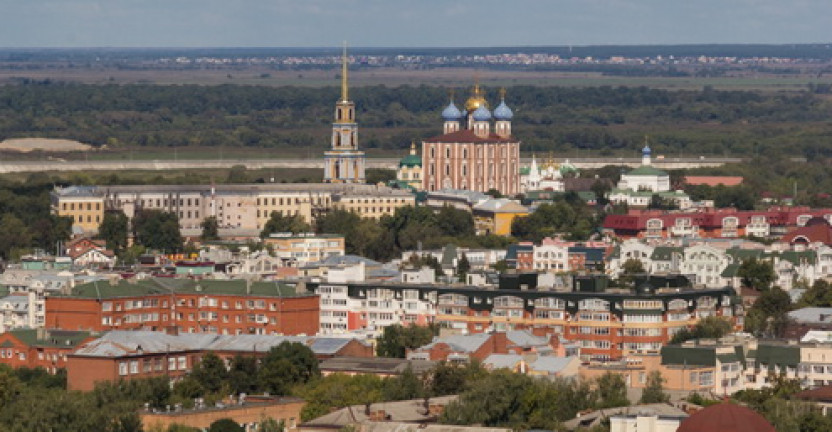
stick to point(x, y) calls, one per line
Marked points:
point(818, 51)
point(591, 121)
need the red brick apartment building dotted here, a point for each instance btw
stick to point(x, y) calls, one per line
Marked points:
point(127, 355)
point(719, 223)
point(187, 306)
point(39, 348)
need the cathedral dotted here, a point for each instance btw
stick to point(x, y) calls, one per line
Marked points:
point(344, 163)
point(476, 150)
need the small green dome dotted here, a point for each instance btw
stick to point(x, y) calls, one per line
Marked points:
point(411, 160)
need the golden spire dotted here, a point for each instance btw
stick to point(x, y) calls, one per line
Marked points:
point(412, 147)
point(344, 88)
point(502, 93)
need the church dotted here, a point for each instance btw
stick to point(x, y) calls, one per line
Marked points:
point(344, 163)
point(476, 150)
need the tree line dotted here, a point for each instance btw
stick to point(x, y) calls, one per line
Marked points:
point(609, 120)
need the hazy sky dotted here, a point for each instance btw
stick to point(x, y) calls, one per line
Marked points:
point(408, 23)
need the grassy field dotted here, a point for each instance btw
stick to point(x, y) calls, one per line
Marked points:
point(191, 176)
point(455, 77)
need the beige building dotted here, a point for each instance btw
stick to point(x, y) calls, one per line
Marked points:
point(242, 207)
point(307, 247)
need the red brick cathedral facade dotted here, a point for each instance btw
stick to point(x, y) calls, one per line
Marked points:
point(476, 151)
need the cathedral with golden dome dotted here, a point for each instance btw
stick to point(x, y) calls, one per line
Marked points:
point(476, 150)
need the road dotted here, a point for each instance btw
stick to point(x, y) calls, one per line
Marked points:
point(387, 163)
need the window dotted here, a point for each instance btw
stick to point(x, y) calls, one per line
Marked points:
point(134, 367)
point(123, 368)
point(183, 362)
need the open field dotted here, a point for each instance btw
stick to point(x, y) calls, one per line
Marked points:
point(446, 77)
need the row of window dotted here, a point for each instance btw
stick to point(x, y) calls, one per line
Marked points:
point(131, 367)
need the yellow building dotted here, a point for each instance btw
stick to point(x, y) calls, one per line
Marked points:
point(495, 216)
point(81, 203)
point(410, 169)
point(373, 204)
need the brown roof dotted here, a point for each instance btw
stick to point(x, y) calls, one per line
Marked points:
point(726, 417)
point(817, 229)
point(714, 180)
point(820, 394)
point(468, 136)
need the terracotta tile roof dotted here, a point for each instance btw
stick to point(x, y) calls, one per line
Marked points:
point(726, 417)
point(468, 136)
point(714, 180)
point(816, 230)
point(820, 394)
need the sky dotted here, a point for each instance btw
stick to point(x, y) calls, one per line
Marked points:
point(409, 23)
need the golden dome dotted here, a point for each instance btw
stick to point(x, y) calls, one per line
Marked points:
point(476, 100)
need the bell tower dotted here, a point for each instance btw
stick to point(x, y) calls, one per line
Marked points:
point(344, 163)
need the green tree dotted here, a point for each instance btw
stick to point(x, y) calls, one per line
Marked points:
point(769, 314)
point(396, 339)
point(113, 230)
point(269, 424)
point(463, 267)
point(237, 174)
point(654, 389)
point(158, 230)
point(757, 274)
point(210, 229)
point(210, 373)
point(818, 295)
point(278, 223)
point(15, 236)
point(711, 327)
point(612, 391)
point(225, 425)
point(242, 374)
point(286, 365)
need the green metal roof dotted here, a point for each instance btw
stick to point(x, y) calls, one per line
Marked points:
point(727, 358)
point(665, 253)
point(62, 338)
point(778, 356)
point(795, 257)
point(730, 270)
point(411, 161)
point(160, 286)
point(744, 254)
point(647, 170)
point(691, 356)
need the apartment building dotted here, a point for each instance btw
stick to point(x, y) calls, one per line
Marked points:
point(127, 355)
point(608, 324)
point(33, 348)
point(231, 307)
point(714, 223)
point(83, 204)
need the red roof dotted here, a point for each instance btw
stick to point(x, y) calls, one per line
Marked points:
point(714, 180)
point(820, 394)
point(726, 417)
point(775, 216)
point(468, 136)
point(816, 230)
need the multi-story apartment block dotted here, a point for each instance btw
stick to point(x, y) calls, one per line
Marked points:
point(32, 348)
point(245, 207)
point(607, 324)
point(128, 355)
point(22, 310)
point(187, 306)
point(719, 223)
